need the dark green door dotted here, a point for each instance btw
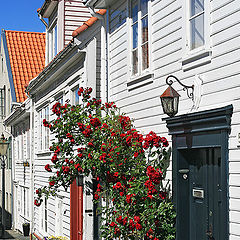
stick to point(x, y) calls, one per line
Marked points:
point(199, 194)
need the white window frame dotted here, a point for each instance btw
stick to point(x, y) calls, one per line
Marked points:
point(52, 42)
point(148, 70)
point(43, 216)
point(28, 143)
point(187, 30)
point(44, 132)
point(59, 216)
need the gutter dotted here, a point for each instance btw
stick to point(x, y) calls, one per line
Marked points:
point(88, 23)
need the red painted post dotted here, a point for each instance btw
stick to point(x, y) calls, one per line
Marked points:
point(76, 212)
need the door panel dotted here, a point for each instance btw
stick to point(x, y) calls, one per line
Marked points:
point(199, 194)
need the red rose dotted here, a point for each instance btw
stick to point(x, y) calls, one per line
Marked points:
point(96, 196)
point(51, 183)
point(113, 224)
point(137, 219)
point(37, 203)
point(95, 122)
point(47, 168)
point(138, 226)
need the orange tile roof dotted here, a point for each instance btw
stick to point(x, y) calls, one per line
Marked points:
point(88, 23)
point(27, 58)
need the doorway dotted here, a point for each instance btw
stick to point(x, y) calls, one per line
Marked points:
point(199, 178)
point(200, 173)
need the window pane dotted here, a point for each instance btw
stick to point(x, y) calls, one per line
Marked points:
point(197, 6)
point(144, 29)
point(135, 35)
point(144, 7)
point(47, 129)
point(145, 56)
point(197, 31)
point(135, 61)
point(134, 11)
point(41, 129)
point(76, 97)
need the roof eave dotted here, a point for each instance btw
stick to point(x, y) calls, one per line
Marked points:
point(47, 8)
point(57, 60)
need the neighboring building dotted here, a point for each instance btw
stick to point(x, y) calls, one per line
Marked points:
point(198, 42)
point(23, 57)
point(59, 81)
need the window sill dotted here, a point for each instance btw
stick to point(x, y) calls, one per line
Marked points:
point(140, 81)
point(196, 59)
point(44, 153)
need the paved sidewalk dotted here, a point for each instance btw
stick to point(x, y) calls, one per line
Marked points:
point(10, 234)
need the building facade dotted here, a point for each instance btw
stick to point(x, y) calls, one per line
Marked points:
point(196, 41)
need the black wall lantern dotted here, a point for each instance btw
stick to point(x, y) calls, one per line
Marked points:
point(170, 97)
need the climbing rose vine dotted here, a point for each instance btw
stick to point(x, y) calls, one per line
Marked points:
point(95, 139)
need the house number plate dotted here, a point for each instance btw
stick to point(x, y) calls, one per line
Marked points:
point(198, 193)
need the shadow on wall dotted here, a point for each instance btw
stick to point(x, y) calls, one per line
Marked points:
point(8, 219)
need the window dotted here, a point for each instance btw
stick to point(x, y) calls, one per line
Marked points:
point(140, 37)
point(22, 141)
point(43, 131)
point(45, 214)
point(2, 102)
point(58, 219)
point(196, 22)
point(52, 42)
point(75, 96)
point(28, 143)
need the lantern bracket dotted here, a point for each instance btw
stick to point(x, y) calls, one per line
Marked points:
point(185, 87)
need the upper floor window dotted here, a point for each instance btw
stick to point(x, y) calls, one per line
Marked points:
point(43, 131)
point(196, 21)
point(52, 41)
point(140, 36)
point(75, 96)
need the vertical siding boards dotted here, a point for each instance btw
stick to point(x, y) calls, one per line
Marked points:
point(75, 14)
point(220, 77)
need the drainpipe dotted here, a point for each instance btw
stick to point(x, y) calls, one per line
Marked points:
point(46, 45)
point(31, 165)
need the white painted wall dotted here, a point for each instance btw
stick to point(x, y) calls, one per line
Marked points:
point(220, 75)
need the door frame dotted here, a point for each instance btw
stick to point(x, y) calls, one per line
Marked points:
point(209, 128)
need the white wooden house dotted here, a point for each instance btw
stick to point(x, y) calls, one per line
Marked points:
point(74, 66)
point(198, 42)
point(22, 58)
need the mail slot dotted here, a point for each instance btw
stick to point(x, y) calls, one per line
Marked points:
point(198, 193)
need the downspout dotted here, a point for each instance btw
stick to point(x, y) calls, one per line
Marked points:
point(46, 45)
point(31, 165)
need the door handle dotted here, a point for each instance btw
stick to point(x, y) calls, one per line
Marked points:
point(209, 233)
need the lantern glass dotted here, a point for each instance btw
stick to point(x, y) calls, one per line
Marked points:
point(3, 148)
point(170, 105)
point(3, 145)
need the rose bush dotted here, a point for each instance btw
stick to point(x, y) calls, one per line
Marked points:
point(96, 139)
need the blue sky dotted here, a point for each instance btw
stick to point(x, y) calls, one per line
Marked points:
point(21, 15)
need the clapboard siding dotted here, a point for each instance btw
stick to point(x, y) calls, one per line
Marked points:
point(75, 14)
point(220, 75)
